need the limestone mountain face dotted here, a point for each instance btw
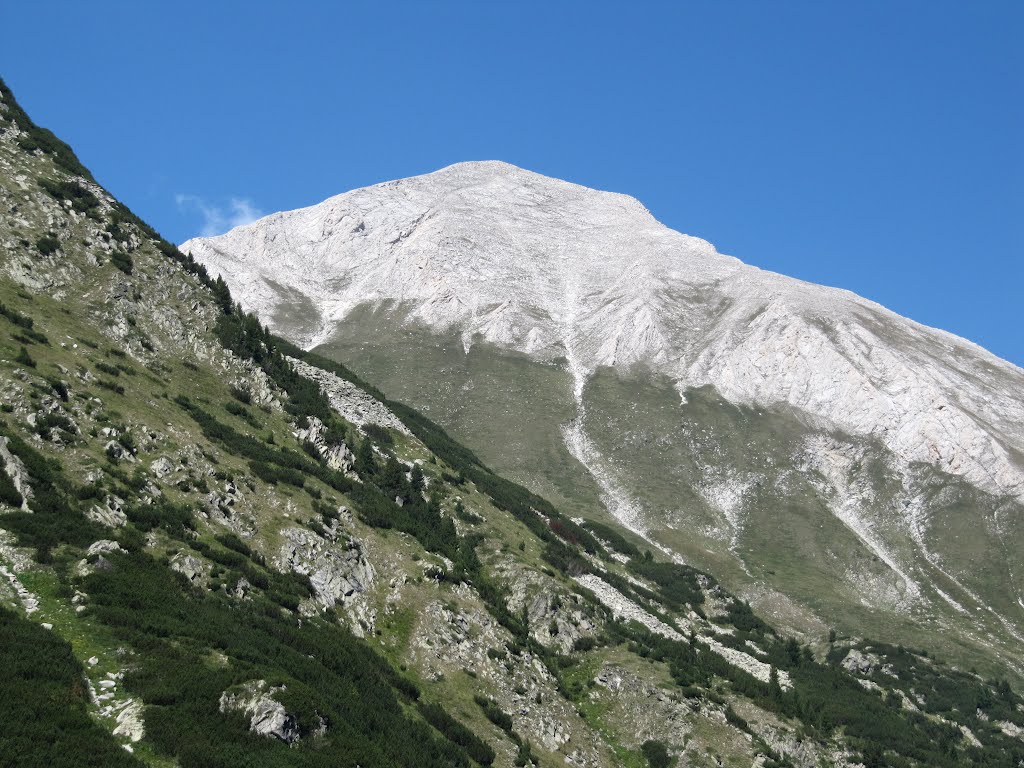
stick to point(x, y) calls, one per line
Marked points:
point(553, 269)
point(907, 440)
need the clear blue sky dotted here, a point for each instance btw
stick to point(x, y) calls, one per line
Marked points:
point(876, 146)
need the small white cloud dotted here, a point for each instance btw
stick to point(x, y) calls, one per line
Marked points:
point(218, 219)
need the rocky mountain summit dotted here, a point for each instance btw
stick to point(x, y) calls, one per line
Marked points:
point(552, 269)
point(704, 404)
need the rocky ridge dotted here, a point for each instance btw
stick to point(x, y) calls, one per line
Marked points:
point(596, 279)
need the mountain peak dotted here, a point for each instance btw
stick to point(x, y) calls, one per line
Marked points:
point(560, 271)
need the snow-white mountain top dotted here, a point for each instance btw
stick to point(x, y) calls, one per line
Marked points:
point(555, 269)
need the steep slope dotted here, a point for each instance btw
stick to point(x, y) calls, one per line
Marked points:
point(219, 550)
point(908, 439)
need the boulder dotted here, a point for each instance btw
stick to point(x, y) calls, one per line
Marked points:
point(161, 467)
point(129, 722)
point(338, 570)
point(337, 455)
point(15, 470)
point(860, 663)
point(193, 568)
point(110, 513)
point(267, 716)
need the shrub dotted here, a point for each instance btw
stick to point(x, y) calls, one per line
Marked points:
point(48, 422)
point(8, 493)
point(456, 732)
point(47, 244)
point(377, 433)
point(112, 386)
point(242, 395)
point(583, 644)
point(43, 702)
point(494, 713)
point(59, 388)
point(16, 317)
point(40, 138)
point(122, 261)
point(613, 537)
point(110, 370)
point(24, 358)
point(656, 754)
point(81, 199)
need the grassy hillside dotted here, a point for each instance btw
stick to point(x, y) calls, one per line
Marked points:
point(224, 562)
point(728, 488)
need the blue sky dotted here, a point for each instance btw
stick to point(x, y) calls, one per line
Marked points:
point(876, 146)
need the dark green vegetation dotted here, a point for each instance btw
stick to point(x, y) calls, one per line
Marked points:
point(824, 697)
point(494, 713)
point(41, 139)
point(475, 747)
point(80, 198)
point(43, 718)
point(656, 754)
point(122, 261)
point(330, 677)
point(56, 517)
point(510, 418)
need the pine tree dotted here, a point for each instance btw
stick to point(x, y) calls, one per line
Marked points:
point(774, 689)
point(222, 295)
point(392, 480)
point(366, 462)
point(417, 480)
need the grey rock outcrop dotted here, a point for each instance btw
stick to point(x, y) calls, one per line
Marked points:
point(117, 451)
point(15, 470)
point(193, 568)
point(350, 401)
point(267, 716)
point(257, 385)
point(104, 547)
point(161, 467)
point(95, 557)
point(860, 662)
point(337, 455)
point(130, 724)
point(557, 619)
point(338, 571)
point(110, 512)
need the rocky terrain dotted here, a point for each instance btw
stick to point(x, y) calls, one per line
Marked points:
point(676, 390)
point(217, 549)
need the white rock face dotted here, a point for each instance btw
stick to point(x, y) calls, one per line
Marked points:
point(354, 405)
point(624, 608)
point(554, 269)
point(338, 571)
point(268, 717)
